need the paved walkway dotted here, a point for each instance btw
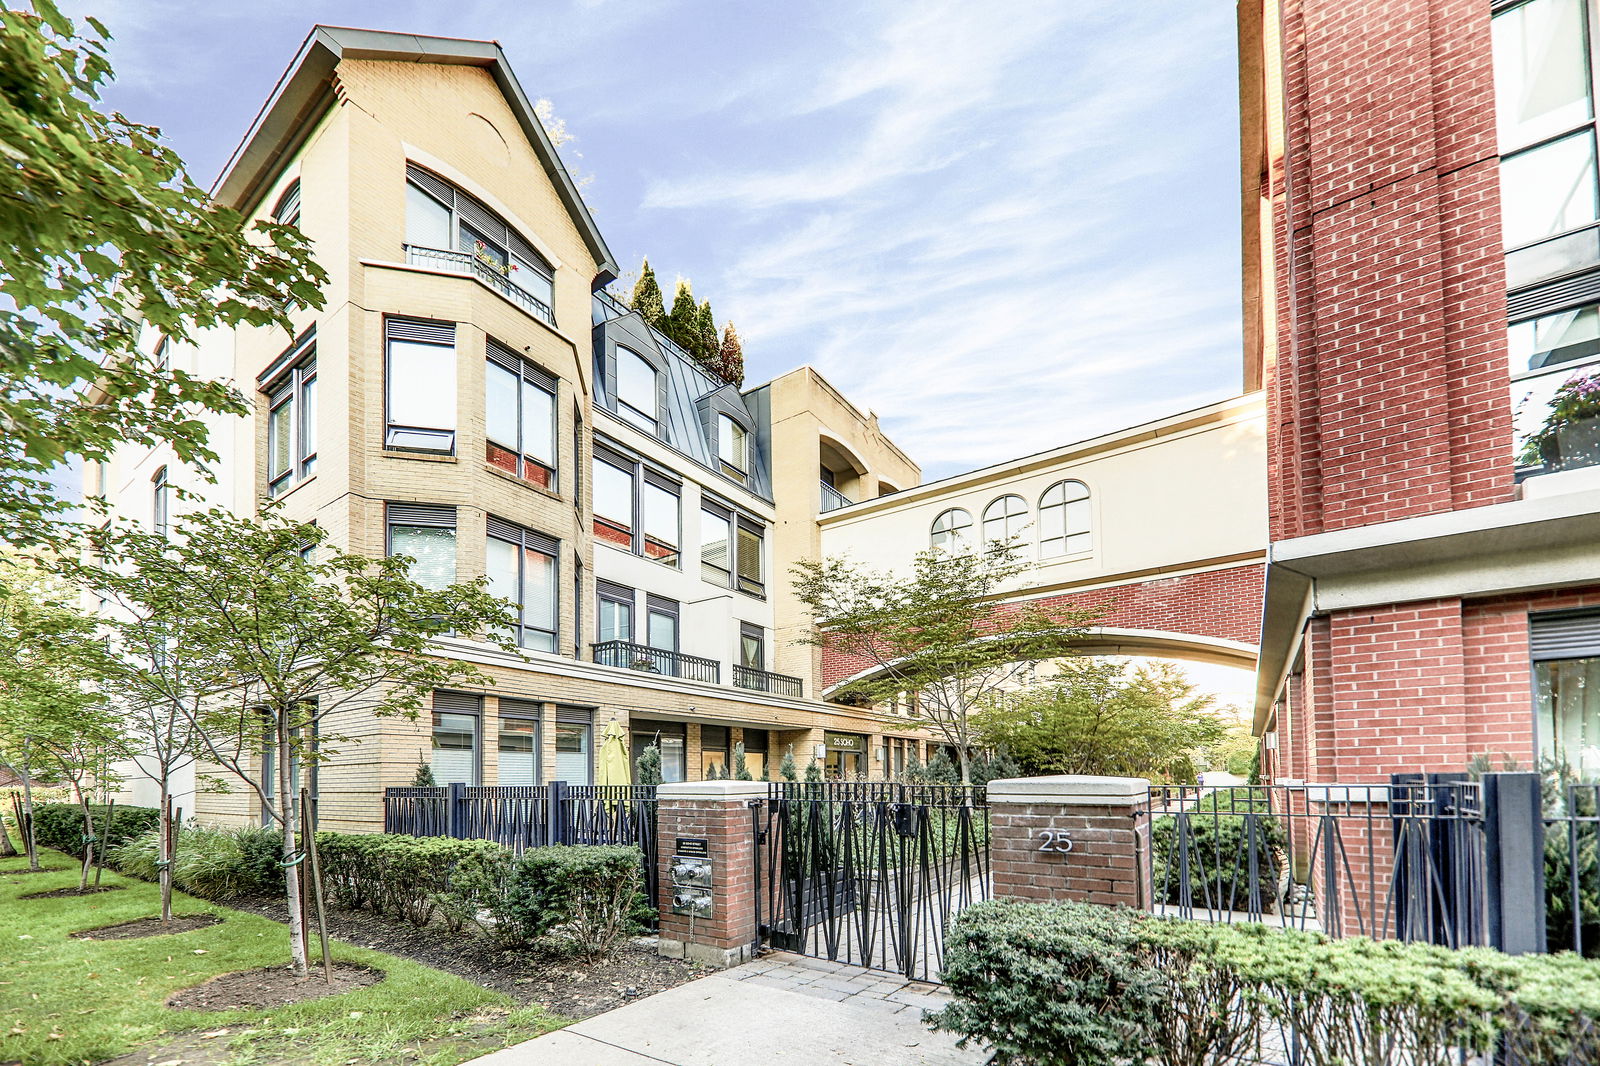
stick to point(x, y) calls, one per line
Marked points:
point(781, 1008)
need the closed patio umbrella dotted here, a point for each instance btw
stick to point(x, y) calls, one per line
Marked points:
point(614, 768)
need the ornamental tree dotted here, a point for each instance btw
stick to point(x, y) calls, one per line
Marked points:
point(101, 228)
point(705, 346)
point(939, 632)
point(683, 321)
point(293, 640)
point(647, 298)
point(730, 357)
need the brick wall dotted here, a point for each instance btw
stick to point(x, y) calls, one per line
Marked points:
point(1108, 863)
point(1225, 604)
point(729, 832)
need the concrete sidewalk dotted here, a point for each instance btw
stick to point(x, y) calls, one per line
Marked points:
point(781, 1008)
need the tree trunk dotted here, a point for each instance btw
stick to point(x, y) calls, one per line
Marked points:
point(291, 869)
point(7, 848)
point(26, 828)
point(167, 852)
point(88, 838)
point(964, 760)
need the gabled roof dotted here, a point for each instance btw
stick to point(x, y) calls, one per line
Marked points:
point(306, 90)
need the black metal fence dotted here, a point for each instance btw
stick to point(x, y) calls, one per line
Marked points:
point(869, 873)
point(642, 657)
point(531, 816)
point(1568, 845)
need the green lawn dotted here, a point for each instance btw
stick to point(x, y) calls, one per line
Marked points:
point(65, 1001)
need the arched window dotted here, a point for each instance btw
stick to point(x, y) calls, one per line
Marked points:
point(637, 397)
point(287, 212)
point(951, 529)
point(1064, 519)
point(1004, 518)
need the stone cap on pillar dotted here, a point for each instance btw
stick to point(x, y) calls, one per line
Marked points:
point(1071, 790)
point(727, 791)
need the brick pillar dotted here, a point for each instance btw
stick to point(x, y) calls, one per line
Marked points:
point(1070, 837)
point(717, 813)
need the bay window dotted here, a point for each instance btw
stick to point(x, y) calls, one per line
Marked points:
point(520, 416)
point(420, 385)
point(522, 568)
point(292, 422)
point(427, 534)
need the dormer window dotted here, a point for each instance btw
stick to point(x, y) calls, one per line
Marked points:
point(733, 448)
point(638, 396)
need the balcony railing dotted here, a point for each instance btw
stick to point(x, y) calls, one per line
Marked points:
point(767, 681)
point(631, 656)
point(467, 263)
point(832, 498)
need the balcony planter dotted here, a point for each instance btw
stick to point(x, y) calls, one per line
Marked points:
point(1571, 445)
point(1570, 436)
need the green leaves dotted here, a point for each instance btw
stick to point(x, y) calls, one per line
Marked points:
point(101, 229)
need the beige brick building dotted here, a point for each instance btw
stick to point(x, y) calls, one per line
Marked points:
point(469, 396)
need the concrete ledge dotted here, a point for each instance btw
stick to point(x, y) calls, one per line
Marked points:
point(704, 954)
point(713, 790)
point(1070, 790)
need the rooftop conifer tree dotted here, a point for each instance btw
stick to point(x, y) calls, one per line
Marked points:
point(684, 320)
point(705, 348)
point(647, 298)
point(730, 358)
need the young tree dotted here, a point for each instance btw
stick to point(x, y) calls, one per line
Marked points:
point(83, 755)
point(938, 632)
point(705, 338)
point(647, 767)
point(647, 298)
point(787, 768)
point(1104, 717)
point(100, 229)
point(423, 778)
point(683, 321)
point(741, 772)
point(730, 357)
point(301, 636)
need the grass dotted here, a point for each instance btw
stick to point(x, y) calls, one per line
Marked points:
point(66, 1001)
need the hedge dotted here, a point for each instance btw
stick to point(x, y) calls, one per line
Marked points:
point(1069, 984)
point(406, 877)
point(213, 862)
point(60, 825)
point(572, 898)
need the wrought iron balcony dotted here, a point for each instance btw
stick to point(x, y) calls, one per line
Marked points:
point(767, 681)
point(832, 498)
point(641, 657)
point(489, 274)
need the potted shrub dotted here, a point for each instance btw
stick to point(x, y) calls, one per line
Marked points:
point(1570, 436)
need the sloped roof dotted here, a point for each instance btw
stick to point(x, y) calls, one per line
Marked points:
point(306, 89)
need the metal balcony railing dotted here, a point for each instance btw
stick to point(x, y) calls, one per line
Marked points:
point(767, 681)
point(469, 264)
point(832, 498)
point(631, 656)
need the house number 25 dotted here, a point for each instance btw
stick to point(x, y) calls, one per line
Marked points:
point(1055, 840)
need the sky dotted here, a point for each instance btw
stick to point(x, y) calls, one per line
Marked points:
point(1002, 226)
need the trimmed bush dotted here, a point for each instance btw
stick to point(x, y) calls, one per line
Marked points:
point(1219, 849)
point(213, 862)
point(1067, 984)
point(411, 878)
point(583, 899)
point(60, 825)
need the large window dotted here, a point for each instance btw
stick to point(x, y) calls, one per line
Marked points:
point(732, 550)
point(160, 503)
point(455, 737)
point(442, 218)
point(1544, 107)
point(613, 611)
point(1004, 519)
point(714, 752)
point(661, 623)
point(420, 385)
point(520, 416)
point(636, 507)
point(638, 391)
point(952, 530)
point(523, 570)
point(1555, 390)
point(427, 534)
point(292, 422)
point(751, 564)
point(1064, 523)
point(1566, 671)
point(518, 762)
point(670, 738)
point(574, 729)
point(716, 546)
point(733, 447)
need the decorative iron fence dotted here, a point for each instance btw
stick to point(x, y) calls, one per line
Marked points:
point(869, 873)
point(532, 816)
point(767, 681)
point(1569, 847)
point(631, 656)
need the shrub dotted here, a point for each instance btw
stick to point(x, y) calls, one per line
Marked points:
point(60, 825)
point(213, 862)
point(1069, 983)
point(580, 898)
point(406, 877)
point(1218, 831)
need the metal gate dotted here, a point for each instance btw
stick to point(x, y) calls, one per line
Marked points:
point(869, 873)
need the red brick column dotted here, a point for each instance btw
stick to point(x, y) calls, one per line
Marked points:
point(718, 813)
point(1069, 837)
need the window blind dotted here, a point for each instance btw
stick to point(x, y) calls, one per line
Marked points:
point(1572, 636)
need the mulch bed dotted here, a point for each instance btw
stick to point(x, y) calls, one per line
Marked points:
point(72, 890)
point(270, 986)
point(143, 927)
point(570, 987)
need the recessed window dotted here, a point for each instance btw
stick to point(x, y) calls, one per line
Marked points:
point(160, 503)
point(455, 737)
point(952, 530)
point(292, 423)
point(522, 569)
point(1005, 518)
point(716, 547)
point(520, 416)
point(518, 762)
point(661, 623)
point(636, 507)
point(732, 550)
point(638, 394)
point(427, 534)
point(573, 728)
point(1064, 519)
point(613, 611)
point(733, 447)
point(751, 562)
point(752, 647)
point(420, 386)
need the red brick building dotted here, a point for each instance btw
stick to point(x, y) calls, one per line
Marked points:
point(1422, 296)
